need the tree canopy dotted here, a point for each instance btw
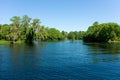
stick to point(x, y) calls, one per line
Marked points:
point(27, 29)
point(104, 32)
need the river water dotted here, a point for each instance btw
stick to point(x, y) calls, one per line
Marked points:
point(64, 60)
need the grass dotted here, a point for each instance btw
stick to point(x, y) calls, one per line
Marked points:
point(4, 42)
point(19, 41)
point(8, 42)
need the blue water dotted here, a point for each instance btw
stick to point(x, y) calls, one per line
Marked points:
point(64, 60)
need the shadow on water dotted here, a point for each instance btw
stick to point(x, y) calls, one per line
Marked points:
point(105, 48)
point(25, 54)
point(19, 61)
point(104, 52)
point(27, 46)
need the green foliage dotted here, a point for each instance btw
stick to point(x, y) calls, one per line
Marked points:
point(102, 32)
point(54, 34)
point(15, 21)
point(29, 35)
point(41, 33)
point(65, 34)
point(25, 22)
point(76, 35)
point(27, 29)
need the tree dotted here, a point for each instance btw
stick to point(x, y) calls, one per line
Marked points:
point(95, 23)
point(65, 34)
point(25, 21)
point(36, 23)
point(16, 21)
point(102, 32)
point(54, 35)
point(29, 35)
point(15, 34)
point(71, 35)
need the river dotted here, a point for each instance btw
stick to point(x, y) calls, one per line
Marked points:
point(64, 60)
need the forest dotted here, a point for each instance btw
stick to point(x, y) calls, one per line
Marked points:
point(27, 30)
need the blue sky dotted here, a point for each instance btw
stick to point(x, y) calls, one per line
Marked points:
point(68, 15)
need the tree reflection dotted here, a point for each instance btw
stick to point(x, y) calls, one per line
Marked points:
point(104, 48)
point(21, 59)
point(104, 52)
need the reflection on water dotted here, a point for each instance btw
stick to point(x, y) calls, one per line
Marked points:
point(105, 48)
point(104, 52)
point(18, 60)
point(65, 60)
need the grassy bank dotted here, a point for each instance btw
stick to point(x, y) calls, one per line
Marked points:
point(113, 41)
point(19, 41)
point(4, 42)
point(8, 42)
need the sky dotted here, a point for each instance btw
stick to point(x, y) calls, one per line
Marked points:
point(67, 15)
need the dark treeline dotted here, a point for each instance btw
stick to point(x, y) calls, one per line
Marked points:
point(28, 29)
point(105, 32)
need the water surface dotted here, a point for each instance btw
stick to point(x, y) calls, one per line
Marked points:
point(65, 60)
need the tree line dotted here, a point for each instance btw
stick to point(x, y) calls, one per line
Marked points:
point(105, 32)
point(27, 29)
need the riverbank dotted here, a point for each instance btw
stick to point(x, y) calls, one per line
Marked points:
point(8, 42)
point(4, 42)
point(115, 41)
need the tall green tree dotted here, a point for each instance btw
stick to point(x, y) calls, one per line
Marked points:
point(15, 34)
point(25, 21)
point(16, 21)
